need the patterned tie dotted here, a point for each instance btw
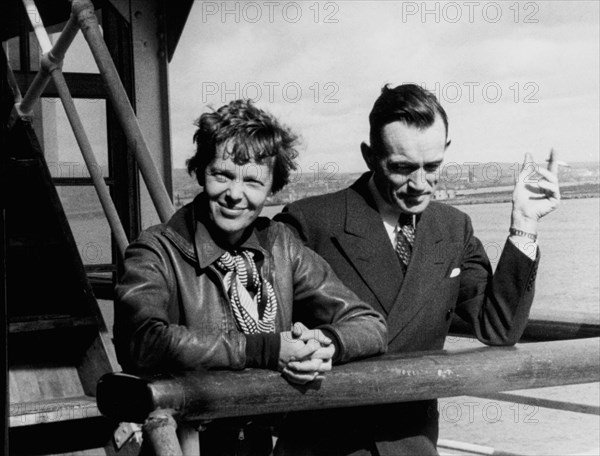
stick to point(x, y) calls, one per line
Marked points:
point(246, 291)
point(405, 239)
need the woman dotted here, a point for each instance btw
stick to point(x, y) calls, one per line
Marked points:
point(218, 287)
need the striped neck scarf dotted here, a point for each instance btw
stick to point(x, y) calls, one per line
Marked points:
point(248, 292)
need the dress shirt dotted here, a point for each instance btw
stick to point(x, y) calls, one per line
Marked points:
point(390, 215)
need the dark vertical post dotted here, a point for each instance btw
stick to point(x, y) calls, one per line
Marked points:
point(4, 93)
point(123, 168)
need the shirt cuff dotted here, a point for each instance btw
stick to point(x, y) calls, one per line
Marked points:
point(262, 350)
point(525, 245)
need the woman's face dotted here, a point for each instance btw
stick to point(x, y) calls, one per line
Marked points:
point(236, 193)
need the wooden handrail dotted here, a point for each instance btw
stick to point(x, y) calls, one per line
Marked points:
point(88, 156)
point(544, 326)
point(84, 11)
point(388, 379)
point(565, 406)
point(38, 27)
point(82, 15)
point(53, 55)
point(50, 67)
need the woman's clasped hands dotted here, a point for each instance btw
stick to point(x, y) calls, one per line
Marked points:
point(305, 354)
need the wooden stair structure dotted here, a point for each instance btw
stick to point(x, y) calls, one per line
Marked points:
point(57, 341)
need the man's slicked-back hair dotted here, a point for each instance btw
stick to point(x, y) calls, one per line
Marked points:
point(408, 103)
point(250, 134)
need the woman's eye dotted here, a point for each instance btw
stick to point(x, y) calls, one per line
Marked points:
point(255, 183)
point(221, 177)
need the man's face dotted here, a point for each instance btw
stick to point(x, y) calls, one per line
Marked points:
point(405, 167)
point(236, 194)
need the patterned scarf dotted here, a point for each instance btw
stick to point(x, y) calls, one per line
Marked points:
point(246, 291)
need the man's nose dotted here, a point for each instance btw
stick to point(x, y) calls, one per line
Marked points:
point(417, 180)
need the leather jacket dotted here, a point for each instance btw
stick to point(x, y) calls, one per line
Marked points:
point(172, 311)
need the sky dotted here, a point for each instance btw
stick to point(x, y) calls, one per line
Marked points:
point(514, 77)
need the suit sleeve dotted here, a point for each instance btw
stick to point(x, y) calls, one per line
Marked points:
point(496, 305)
point(322, 301)
point(146, 337)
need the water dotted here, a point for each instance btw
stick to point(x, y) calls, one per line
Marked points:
point(567, 282)
point(569, 241)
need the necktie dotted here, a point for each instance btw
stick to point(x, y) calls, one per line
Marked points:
point(246, 290)
point(405, 239)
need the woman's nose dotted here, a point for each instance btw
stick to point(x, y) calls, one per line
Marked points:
point(235, 190)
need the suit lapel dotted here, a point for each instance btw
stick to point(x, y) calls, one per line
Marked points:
point(424, 271)
point(368, 247)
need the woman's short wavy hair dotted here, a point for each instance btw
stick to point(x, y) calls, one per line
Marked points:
point(254, 134)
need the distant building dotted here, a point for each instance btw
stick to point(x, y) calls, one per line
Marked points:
point(443, 194)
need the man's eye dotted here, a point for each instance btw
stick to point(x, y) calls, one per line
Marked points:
point(404, 170)
point(431, 168)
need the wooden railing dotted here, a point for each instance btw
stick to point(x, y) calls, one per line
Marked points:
point(544, 326)
point(162, 401)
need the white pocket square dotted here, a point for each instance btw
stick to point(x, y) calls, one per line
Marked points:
point(455, 272)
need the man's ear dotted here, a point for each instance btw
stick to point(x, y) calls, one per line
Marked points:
point(367, 154)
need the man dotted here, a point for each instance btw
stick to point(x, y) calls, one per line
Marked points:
point(417, 262)
point(218, 287)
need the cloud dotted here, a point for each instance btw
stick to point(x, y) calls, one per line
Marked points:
point(507, 85)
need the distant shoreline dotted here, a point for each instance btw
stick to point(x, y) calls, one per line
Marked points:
point(468, 186)
point(508, 199)
point(98, 213)
point(497, 198)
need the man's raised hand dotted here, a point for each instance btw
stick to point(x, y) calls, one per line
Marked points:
point(536, 193)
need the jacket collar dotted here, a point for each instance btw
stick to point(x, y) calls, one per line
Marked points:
point(366, 244)
point(189, 231)
point(361, 209)
point(360, 222)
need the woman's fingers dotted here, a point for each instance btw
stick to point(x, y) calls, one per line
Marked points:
point(309, 365)
point(299, 378)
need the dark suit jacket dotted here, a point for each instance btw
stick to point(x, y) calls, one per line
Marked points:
point(449, 272)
